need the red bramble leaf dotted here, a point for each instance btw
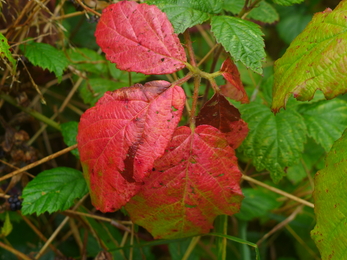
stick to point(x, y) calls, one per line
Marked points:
point(218, 112)
point(194, 181)
point(120, 138)
point(139, 38)
point(233, 88)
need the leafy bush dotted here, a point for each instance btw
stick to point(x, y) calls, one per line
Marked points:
point(175, 108)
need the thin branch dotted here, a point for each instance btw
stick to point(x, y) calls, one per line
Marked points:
point(55, 233)
point(87, 8)
point(280, 225)
point(34, 164)
point(20, 255)
point(41, 236)
point(197, 80)
point(278, 191)
point(190, 48)
point(33, 113)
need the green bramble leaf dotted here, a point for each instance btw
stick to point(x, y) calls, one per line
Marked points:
point(93, 89)
point(6, 55)
point(325, 120)
point(273, 142)
point(233, 6)
point(88, 60)
point(264, 12)
point(69, 132)
point(242, 39)
point(330, 198)
point(207, 6)
point(185, 14)
point(301, 71)
point(46, 57)
point(257, 203)
point(53, 190)
point(287, 2)
point(123, 76)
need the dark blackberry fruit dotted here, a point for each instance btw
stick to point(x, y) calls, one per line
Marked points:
point(15, 203)
point(13, 207)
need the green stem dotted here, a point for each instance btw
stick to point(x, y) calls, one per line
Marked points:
point(246, 9)
point(245, 252)
point(180, 81)
point(221, 226)
point(31, 112)
point(197, 80)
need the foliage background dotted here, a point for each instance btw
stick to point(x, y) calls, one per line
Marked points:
point(280, 226)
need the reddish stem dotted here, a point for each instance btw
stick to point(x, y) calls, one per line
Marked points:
point(190, 48)
point(197, 80)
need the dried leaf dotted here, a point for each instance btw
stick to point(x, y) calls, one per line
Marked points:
point(219, 113)
point(234, 88)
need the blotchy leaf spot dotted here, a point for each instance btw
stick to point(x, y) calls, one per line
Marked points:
point(314, 60)
point(195, 180)
point(330, 203)
point(219, 113)
point(120, 138)
point(139, 38)
point(234, 88)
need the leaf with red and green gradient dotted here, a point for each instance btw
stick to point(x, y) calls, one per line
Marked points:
point(139, 38)
point(330, 199)
point(314, 60)
point(120, 138)
point(195, 180)
point(233, 88)
point(219, 113)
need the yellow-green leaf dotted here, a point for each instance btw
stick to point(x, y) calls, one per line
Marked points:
point(314, 60)
point(330, 198)
point(7, 227)
point(5, 53)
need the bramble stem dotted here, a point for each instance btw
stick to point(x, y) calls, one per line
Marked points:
point(33, 113)
point(197, 80)
point(34, 164)
point(246, 9)
point(189, 48)
point(278, 191)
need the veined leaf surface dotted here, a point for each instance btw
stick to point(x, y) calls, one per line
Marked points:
point(139, 38)
point(120, 138)
point(325, 120)
point(274, 141)
point(330, 198)
point(53, 190)
point(242, 39)
point(185, 14)
point(194, 181)
point(46, 56)
point(314, 60)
